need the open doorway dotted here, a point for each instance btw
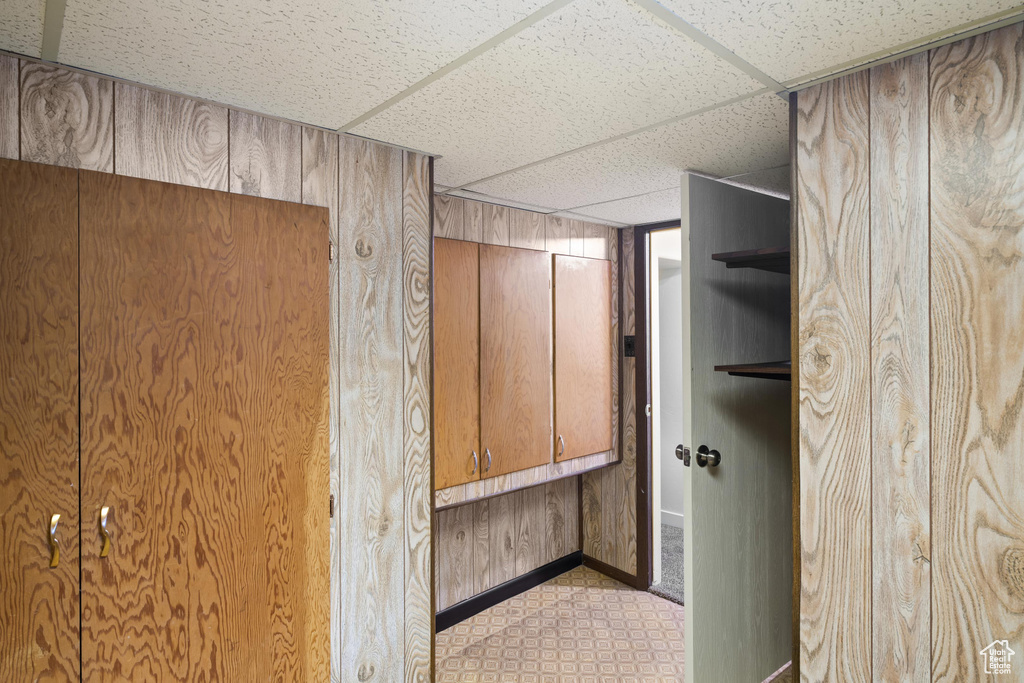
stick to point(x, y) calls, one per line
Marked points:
point(665, 275)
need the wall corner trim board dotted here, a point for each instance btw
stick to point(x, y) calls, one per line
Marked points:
point(909, 196)
point(380, 224)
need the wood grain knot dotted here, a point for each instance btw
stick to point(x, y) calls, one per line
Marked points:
point(363, 250)
point(1013, 571)
point(366, 672)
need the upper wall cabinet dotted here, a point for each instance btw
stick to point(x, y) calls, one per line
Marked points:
point(583, 353)
point(456, 362)
point(515, 358)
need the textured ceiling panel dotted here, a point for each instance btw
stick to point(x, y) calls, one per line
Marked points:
point(773, 181)
point(791, 39)
point(748, 136)
point(21, 26)
point(317, 61)
point(648, 208)
point(593, 70)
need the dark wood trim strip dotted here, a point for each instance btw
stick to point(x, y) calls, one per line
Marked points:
point(794, 354)
point(644, 513)
point(610, 571)
point(458, 612)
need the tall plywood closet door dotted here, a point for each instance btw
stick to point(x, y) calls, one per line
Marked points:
point(456, 362)
point(39, 638)
point(204, 429)
point(583, 356)
point(515, 358)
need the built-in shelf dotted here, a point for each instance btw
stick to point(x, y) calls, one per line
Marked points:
point(773, 259)
point(782, 369)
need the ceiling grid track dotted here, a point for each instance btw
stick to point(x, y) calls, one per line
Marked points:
point(539, 15)
point(53, 27)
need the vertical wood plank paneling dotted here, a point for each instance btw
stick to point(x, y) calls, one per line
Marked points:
point(370, 508)
point(576, 237)
point(571, 499)
point(493, 221)
point(455, 550)
point(449, 217)
point(502, 533)
point(597, 240)
point(977, 371)
point(900, 541)
point(9, 147)
point(320, 188)
point(835, 362)
point(169, 138)
point(530, 532)
point(473, 221)
point(526, 229)
point(481, 545)
point(554, 520)
point(67, 118)
point(416, 239)
point(266, 157)
point(628, 530)
point(557, 234)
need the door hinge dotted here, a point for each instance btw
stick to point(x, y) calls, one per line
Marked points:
point(330, 252)
point(332, 506)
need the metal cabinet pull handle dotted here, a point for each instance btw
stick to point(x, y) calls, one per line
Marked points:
point(562, 442)
point(54, 543)
point(476, 462)
point(104, 514)
point(487, 452)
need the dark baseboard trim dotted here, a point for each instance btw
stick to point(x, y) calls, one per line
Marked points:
point(610, 571)
point(447, 618)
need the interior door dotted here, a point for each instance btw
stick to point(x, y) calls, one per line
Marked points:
point(456, 362)
point(515, 358)
point(39, 605)
point(738, 514)
point(204, 433)
point(583, 352)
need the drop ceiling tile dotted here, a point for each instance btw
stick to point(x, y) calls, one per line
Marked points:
point(792, 39)
point(663, 205)
point(773, 181)
point(317, 61)
point(21, 26)
point(738, 138)
point(589, 219)
point(593, 70)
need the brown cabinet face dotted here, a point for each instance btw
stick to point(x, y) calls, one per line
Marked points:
point(583, 352)
point(204, 361)
point(456, 363)
point(39, 615)
point(515, 359)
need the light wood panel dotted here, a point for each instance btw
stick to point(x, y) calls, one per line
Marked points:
point(576, 239)
point(583, 356)
point(557, 234)
point(502, 536)
point(196, 457)
point(457, 363)
point(626, 525)
point(39, 473)
point(527, 229)
point(9, 144)
point(835, 444)
point(900, 539)
point(266, 157)
point(597, 240)
point(977, 286)
point(449, 213)
point(370, 509)
point(67, 118)
point(417, 184)
point(164, 137)
point(456, 548)
point(489, 223)
point(515, 359)
point(531, 535)
point(554, 520)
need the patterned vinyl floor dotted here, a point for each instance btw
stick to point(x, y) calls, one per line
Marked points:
point(581, 626)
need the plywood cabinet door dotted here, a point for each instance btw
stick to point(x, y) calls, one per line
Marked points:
point(204, 362)
point(515, 358)
point(39, 606)
point(456, 363)
point(583, 353)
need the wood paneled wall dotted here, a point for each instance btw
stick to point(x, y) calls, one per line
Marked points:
point(910, 202)
point(379, 200)
point(523, 523)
